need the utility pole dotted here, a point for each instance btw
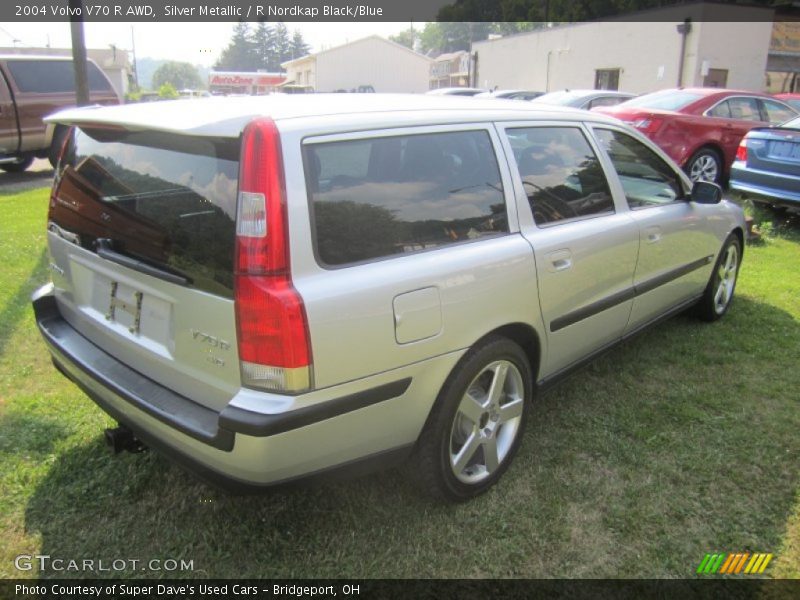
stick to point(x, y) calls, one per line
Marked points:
point(135, 70)
point(79, 53)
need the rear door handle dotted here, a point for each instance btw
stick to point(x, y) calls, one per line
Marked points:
point(560, 260)
point(653, 234)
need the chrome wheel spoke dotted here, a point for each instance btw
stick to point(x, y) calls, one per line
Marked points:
point(465, 454)
point(719, 297)
point(471, 408)
point(512, 410)
point(490, 455)
point(498, 383)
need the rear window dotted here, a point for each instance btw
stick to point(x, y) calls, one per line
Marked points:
point(49, 76)
point(380, 197)
point(167, 200)
point(664, 100)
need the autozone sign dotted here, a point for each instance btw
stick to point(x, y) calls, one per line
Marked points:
point(243, 79)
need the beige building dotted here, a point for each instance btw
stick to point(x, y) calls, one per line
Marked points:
point(635, 57)
point(371, 61)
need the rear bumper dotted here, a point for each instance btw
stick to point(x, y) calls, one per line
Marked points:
point(237, 448)
point(773, 187)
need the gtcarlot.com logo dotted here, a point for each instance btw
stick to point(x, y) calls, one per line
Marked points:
point(734, 563)
point(45, 562)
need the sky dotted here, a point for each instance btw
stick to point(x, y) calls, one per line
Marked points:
point(196, 43)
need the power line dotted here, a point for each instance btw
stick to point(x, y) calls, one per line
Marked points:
point(14, 39)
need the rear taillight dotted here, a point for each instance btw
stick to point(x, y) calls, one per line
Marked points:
point(648, 125)
point(741, 151)
point(271, 324)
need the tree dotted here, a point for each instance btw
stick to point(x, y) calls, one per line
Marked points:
point(240, 54)
point(298, 45)
point(406, 38)
point(283, 44)
point(264, 46)
point(167, 91)
point(180, 75)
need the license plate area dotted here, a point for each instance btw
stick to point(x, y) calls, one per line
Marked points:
point(784, 150)
point(134, 308)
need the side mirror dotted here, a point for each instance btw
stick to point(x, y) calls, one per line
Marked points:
point(705, 192)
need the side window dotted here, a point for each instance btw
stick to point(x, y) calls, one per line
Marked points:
point(744, 109)
point(561, 174)
point(379, 197)
point(777, 113)
point(646, 179)
point(721, 110)
point(51, 76)
point(605, 101)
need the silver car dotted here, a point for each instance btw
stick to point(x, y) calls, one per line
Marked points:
point(271, 288)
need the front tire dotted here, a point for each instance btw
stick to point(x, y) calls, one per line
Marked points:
point(476, 425)
point(17, 166)
point(718, 296)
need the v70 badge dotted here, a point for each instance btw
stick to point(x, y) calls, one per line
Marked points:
point(135, 310)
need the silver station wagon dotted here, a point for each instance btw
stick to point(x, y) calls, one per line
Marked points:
point(271, 288)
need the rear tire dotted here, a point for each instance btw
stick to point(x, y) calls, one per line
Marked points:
point(18, 166)
point(477, 423)
point(705, 165)
point(718, 296)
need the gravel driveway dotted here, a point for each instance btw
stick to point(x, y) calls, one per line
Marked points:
point(39, 174)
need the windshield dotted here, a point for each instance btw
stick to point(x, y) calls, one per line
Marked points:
point(664, 100)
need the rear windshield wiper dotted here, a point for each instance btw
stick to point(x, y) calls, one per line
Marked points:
point(105, 249)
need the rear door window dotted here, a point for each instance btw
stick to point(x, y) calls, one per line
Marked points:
point(560, 173)
point(387, 196)
point(167, 200)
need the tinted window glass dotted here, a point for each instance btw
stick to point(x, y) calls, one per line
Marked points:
point(560, 173)
point(744, 108)
point(48, 76)
point(606, 101)
point(392, 195)
point(777, 113)
point(646, 179)
point(721, 110)
point(167, 200)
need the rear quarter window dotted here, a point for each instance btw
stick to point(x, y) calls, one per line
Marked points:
point(388, 196)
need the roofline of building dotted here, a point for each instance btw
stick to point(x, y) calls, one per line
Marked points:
point(358, 41)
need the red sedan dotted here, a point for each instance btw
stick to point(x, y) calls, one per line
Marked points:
point(700, 128)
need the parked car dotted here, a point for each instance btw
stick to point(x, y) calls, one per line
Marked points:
point(510, 94)
point(272, 287)
point(767, 165)
point(585, 99)
point(700, 128)
point(456, 91)
point(32, 87)
point(792, 99)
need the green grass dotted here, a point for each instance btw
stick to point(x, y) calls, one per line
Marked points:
point(681, 442)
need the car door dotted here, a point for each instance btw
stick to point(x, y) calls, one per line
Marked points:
point(9, 133)
point(584, 247)
point(676, 246)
